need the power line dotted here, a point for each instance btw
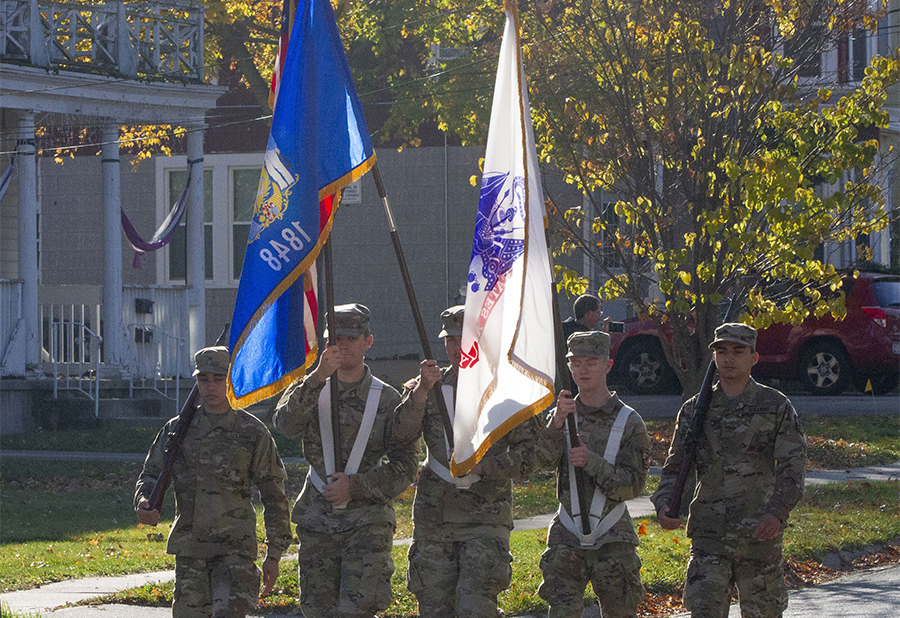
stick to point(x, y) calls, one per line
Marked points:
point(183, 132)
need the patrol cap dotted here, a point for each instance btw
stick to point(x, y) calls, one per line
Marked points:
point(736, 333)
point(452, 321)
point(591, 343)
point(351, 320)
point(212, 360)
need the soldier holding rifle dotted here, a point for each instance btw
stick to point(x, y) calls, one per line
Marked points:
point(213, 538)
point(344, 515)
point(750, 460)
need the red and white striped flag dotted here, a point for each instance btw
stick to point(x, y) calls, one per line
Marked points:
point(287, 20)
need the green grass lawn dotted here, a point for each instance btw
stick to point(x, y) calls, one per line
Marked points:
point(63, 520)
point(834, 442)
point(866, 513)
point(6, 612)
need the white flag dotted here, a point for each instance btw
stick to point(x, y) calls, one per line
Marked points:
point(508, 356)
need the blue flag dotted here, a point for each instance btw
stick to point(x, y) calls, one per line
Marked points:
point(318, 144)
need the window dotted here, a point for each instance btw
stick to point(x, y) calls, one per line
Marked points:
point(804, 49)
point(859, 54)
point(608, 251)
point(177, 179)
point(244, 185)
point(230, 183)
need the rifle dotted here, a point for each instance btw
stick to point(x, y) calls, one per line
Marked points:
point(565, 379)
point(692, 437)
point(175, 439)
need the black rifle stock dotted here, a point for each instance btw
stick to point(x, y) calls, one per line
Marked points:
point(692, 437)
point(175, 439)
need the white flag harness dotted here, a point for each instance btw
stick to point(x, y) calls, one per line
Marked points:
point(327, 437)
point(598, 527)
point(463, 482)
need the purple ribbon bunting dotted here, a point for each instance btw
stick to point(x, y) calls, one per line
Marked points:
point(166, 231)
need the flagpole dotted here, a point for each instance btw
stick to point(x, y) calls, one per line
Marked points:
point(332, 335)
point(411, 295)
point(566, 382)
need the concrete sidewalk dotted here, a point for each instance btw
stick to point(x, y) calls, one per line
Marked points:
point(851, 594)
point(864, 594)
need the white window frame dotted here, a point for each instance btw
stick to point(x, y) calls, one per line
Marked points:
point(231, 168)
point(222, 166)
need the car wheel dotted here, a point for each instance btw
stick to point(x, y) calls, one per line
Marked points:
point(824, 368)
point(644, 369)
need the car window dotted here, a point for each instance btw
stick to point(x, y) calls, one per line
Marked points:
point(887, 293)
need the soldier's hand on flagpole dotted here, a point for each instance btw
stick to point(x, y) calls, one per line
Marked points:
point(145, 515)
point(565, 406)
point(329, 361)
point(429, 375)
point(270, 575)
point(667, 523)
point(337, 492)
point(579, 455)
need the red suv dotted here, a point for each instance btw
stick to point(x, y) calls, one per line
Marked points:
point(825, 355)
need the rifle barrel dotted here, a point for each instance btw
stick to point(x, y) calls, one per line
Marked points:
point(692, 437)
point(173, 447)
point(175, 440)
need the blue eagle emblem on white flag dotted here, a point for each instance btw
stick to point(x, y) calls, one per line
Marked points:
point(499, 229)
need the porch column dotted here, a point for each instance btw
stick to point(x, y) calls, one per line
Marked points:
point(28, 255)
point(196, 241)
point(112, 247)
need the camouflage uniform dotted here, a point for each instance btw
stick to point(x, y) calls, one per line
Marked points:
point(213, 537)
point(750, 461)
point(611, 564)
point(345, 554)
point(459, 560)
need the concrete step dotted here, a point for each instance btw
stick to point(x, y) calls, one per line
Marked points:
point(137, 421)
point(130, 408)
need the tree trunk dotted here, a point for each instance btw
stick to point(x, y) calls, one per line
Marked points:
point(232, 41)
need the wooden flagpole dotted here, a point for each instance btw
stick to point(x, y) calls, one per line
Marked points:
point(411, 295)
point(332, 336)
point(566, 383)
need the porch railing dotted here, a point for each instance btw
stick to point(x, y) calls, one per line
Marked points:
point(10, 323)
point(156, 38)
point(154, 338)
point(79, 348)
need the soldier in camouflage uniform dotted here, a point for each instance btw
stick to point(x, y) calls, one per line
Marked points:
point(459, 560)
point(751, 465)
point(213, 537)
point(345, 518)
point(612, 447)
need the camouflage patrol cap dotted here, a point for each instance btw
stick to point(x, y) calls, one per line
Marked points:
point(736, 333)
point(591, 343)
point(352, 320)
point(212, 360)
point(452, 321)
